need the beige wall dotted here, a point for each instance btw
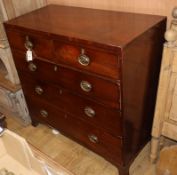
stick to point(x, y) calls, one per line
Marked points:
point(160, 7)
point(13, 8)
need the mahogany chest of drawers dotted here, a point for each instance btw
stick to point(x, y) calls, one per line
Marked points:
point(93, 75)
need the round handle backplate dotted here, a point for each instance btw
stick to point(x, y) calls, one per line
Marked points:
point(89, 112)
point(84, 60)
point(44, 113)
point(39, 90)
point(93, 138)
point(86, 86)
point(28, 44)
point(32, 67)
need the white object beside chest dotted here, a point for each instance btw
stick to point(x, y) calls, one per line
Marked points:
point(165, 119)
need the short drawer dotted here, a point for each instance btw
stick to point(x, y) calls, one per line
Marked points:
point(102, 90)
point(85, 109)
point(41, 46)
point(95, 139)
point(99, 62)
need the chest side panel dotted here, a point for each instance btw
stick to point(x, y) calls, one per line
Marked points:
point(141, 67)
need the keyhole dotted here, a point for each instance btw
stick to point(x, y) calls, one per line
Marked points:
point(66, 116)
point(60, 91)
point(55, 68)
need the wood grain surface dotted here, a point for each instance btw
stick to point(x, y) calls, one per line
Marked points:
point(115, 29)
point(118, 33)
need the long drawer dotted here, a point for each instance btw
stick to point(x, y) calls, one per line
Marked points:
point(95, 139)
point(82, 83)
point(88, 110)
point(81, 57)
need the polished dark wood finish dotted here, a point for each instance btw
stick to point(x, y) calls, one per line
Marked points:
point(105, 117)
point(117, 54)
point(101, 62)
point(71, 79)
point(40, 43)
point(140, 59)
point(99, 27)
point(77, 129)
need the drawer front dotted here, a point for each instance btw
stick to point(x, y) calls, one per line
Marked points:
point(95, 61)
point(90, 111)
point(41, 46)
point(95, 139)
point(96, 88)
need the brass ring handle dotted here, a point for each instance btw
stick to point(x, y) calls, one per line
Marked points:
point(86, 86)
point(28, 44)
point(84, 60)
point(44, 113)
point(89, 112)
point(32, 67)
point(93, 138)
point(39, 90)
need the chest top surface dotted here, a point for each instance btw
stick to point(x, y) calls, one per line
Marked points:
point(100, 26)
